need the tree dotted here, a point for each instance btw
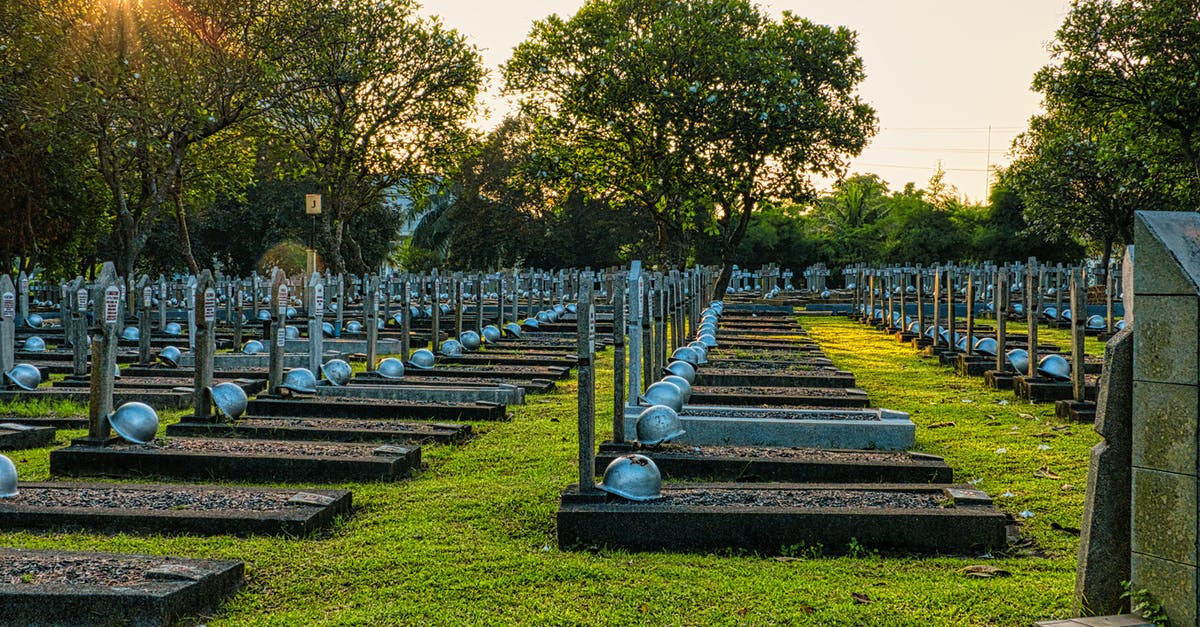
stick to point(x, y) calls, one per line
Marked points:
point(696, 110)
point(386, 97)
point(1135, 61)
point(155, 80)
point(851, 219)
point(1084, 176)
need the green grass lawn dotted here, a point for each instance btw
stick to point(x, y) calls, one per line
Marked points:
point(471, 540)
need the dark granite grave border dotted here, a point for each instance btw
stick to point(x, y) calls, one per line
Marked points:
point(391, 410)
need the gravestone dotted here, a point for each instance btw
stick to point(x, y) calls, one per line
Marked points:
point(104, 356)
point(636, 289)
point(586, 335)
point(8, 319)
point(1166, 410)
point(315, 296)
point(145, 297)
point(370, 305)
point(206, 346)
point(275, 329)
point(77, 293)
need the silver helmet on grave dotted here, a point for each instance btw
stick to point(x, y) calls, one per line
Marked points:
point(336, 371)
point(1055, 367)
point(681, 369)
point(34, 344)
point(25, 376)
point(658, 424)
point(229, 398)
point(634, 477)
point(390, 368)
point(170, 356)
point(299, 381)
point(663, 393)
point(8, 478)
point(422, 359)
point(134, 421)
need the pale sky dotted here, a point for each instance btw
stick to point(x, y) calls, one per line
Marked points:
point(939, 72)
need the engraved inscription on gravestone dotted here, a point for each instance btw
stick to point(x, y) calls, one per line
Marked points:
point(112, 304)
point(281, 336)
point(210, 305)
point(281, 301)
point(319, 299)
point(81, 299)
point(9, 306)
point(147, 296)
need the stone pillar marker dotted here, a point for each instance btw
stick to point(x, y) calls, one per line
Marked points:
point(237, 294)
point(145, 300)
point(1078, 298)
point(618, 308)
point(406, 317)
point(276, 329)
point(586, 334)
point(970, 350)
point(22, 299)
point(636, 286)
point(315, 294)
point(920, 281)
point(458, 305)
point(370, 312)
point(206, 346)
point(8, 319)
point(435, 309)
point(1165, 454)
point(1032, 294)
point(937, 304)
point(104, 356)
point(1001, 305)
point(339, 322)
point(78, 295)
point(162, 302)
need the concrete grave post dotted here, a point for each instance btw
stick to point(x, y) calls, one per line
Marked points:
point(237, 295)
point(458, 305)
point(315, 295)
point(406, 302)
point(636, 289)
point(339, 322)
point(104, 355)
point(64, 310)
point(618, 307)
point(78, 294)
point(22, 298)
point(586, 334)
point(920, 285)
point(145, 300)
point(970, 312)
point(191, 311)
point(370, 308)
point(1032, 294)
point(951, 317)
point(937, 304)
point(206, 346)
point(1078, 294)
point(162, 302)
point(8, 333)
point(1001, 304)
point(435, 306)
point(480, 288)
point(1058, 291)
point(275, 329)
point(391, 284)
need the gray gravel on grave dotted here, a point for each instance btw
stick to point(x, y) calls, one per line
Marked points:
point(252, 447)
point(75, 571)
point(799, 454)
point(783, 414)
point(189, 499)
point(799, 498)
point(340, 423)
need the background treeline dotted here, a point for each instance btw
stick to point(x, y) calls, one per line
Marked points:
point(183, 135)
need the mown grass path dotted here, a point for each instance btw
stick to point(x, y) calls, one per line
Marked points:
point(471, 539)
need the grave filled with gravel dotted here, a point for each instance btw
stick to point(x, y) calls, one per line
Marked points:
point(191, 499)
point(717, 497)
point(26, 569)
point(779, 414)
point(776, 452)
point(252, 447)
point(340, 423)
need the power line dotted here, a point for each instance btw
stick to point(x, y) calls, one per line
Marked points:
point(917, 167)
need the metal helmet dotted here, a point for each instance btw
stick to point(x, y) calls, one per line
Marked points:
point(134, 421)
point(130, 333)
point(470, 340)
point(491, 334)
point(681, 369)
point(254, 347)
point(658, 424)
point(422, 359)
point(170, 356)
point(708, 339)
point(1095, 322)
point(299, 381)
point(986, 346)
point(336, 371)
point(291, 332)
point(961, 344)
point(684, 386)
point(398, 317)
point(543, 316)
point(531, 323)
point(25, 376)
point(701, 351)
point(445, 308)
point(1018, 309)
point(379, 323)
point(633, 477)
point(35, 321)
point(8, 478)
point(1050, 312)
point(327, 329)
point(560, 309)
point(1120, 324)
point(414, 311)
point(513, 329)
point(291, 312)
point(116, 371)
point(451, 348)
point(264, 315)
point(914, 327)
point(390, 368)
point(229, 398)
point(1018, 358)
point(34, 344)
point(1055, 367)
point(663, 393)
point(173, 328)
point(354, 326)
point(572, 308)
point(1066, 314)
point(686, 353)
point(825, 294)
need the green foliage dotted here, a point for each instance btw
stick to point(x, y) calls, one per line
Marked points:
point(694, 110)
point(1144, 604)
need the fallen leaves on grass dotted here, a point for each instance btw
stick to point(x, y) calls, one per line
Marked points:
point(1045, 473)
point(940, 425)
point(860, 598)
point(983, 571)
point(1071, 530)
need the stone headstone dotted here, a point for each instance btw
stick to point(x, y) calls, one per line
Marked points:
point(1166, 410)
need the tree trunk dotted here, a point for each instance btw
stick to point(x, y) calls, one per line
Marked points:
point(185, 239)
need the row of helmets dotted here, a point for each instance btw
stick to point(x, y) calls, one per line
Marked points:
point(636, 477)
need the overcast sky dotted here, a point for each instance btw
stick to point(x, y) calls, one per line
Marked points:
point(939, 72)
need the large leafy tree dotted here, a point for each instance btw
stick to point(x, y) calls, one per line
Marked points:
point(153, 82)
point(386, 97)
point(1134, 59)
point(695, 110)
